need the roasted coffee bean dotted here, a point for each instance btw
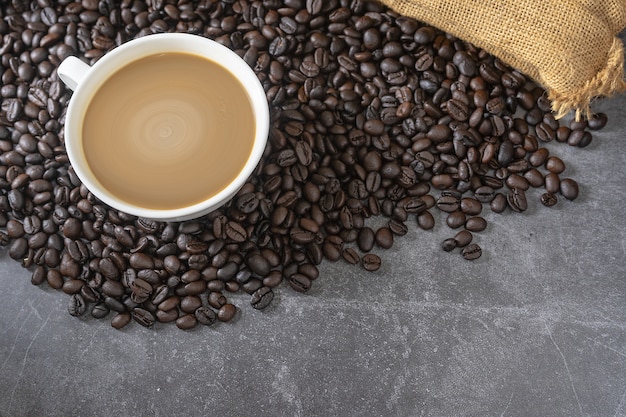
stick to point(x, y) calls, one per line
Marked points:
point(261, 298)
point(205, 315)
point(72, 286)
point(517, 200)
point(141, 261)
point(569, 188)
point(597, 121)
point(190, 303)
point(538, 157)
point(555, 164)
point(456, 219)
point(112, 288)
point(160, 294)
point(517, 181)
point(141, 290)
point(449, 244)
point(544, 132)
point(371, 262)
point(552, 183)
point(314, 6)
point(384, 238)
point(425, 220)
point(472, 252)
point(167, 316)
point(366, 239)
point(398, 228)
point(247, 203)
point(77, 305)
point(143, 316)
point(471, 206)
point(226, 312)
point(463, 238)
point(100, 311)
point(355, 134)
point(114, 304)
point(548, 199)
point(476, 224)
point(186, 322)
point(457, 110)
point(120, 320)
point(350, 256)
point(448, 204)
point(300, 282)
point(216, 299)
point(235, 232)
point(534, 177)
point(252, 285)
point(498, 203)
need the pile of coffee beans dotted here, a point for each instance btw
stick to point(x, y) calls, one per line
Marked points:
point(373, 115)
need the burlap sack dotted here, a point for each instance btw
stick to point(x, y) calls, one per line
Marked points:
point(569, 47)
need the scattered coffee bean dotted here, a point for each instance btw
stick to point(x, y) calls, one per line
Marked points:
point(463, 238)
point(569, 188)
point(517, 200)
point(261, 298)
point(548, 199)
point(597, 121)
point(371, 262)
point(77, 305)
point(425, 220)
point(100, 311)
point(143, 316)
point(472, 251)
point(476, 224)
point(394, 130)
point(205, 316)
point(226, 312)
point(555, 164)
point(448, 245)
point(351, 256)
point(186, 322)
point(384, 238)
point(456, 219)
point(552, 183)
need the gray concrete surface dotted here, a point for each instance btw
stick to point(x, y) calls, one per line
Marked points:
point(536, 327)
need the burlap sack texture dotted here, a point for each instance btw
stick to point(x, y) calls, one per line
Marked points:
point(569, 47)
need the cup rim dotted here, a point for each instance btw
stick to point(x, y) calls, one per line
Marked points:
point(147, 46)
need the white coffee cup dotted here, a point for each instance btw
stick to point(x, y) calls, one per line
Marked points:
point(85, 81)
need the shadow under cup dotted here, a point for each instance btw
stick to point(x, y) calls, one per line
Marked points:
point(167, 127)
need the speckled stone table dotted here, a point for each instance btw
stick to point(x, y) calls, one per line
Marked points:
point(535, 327)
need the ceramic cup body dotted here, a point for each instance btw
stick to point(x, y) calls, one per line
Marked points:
point(85, 80)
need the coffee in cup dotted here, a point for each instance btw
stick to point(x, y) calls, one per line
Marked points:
point(167, 126)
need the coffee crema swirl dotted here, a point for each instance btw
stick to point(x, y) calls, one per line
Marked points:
point(168, 131)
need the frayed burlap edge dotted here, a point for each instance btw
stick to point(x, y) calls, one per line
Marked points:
point(608, 82)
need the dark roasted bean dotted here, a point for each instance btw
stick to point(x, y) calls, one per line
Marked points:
point(569, 188)
point(371, 113)
point(425, 220)
point(143, 317)
point(472, 252)
point(77, 305)
point(548, 199)
point(371, 262)
point(261, 298)
point(463, 238)
point(476, 224)
point(205, 315)
point(517, 200)
point(226, 312)
point(498, 203)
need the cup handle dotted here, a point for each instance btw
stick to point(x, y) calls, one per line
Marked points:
point(72, 71)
